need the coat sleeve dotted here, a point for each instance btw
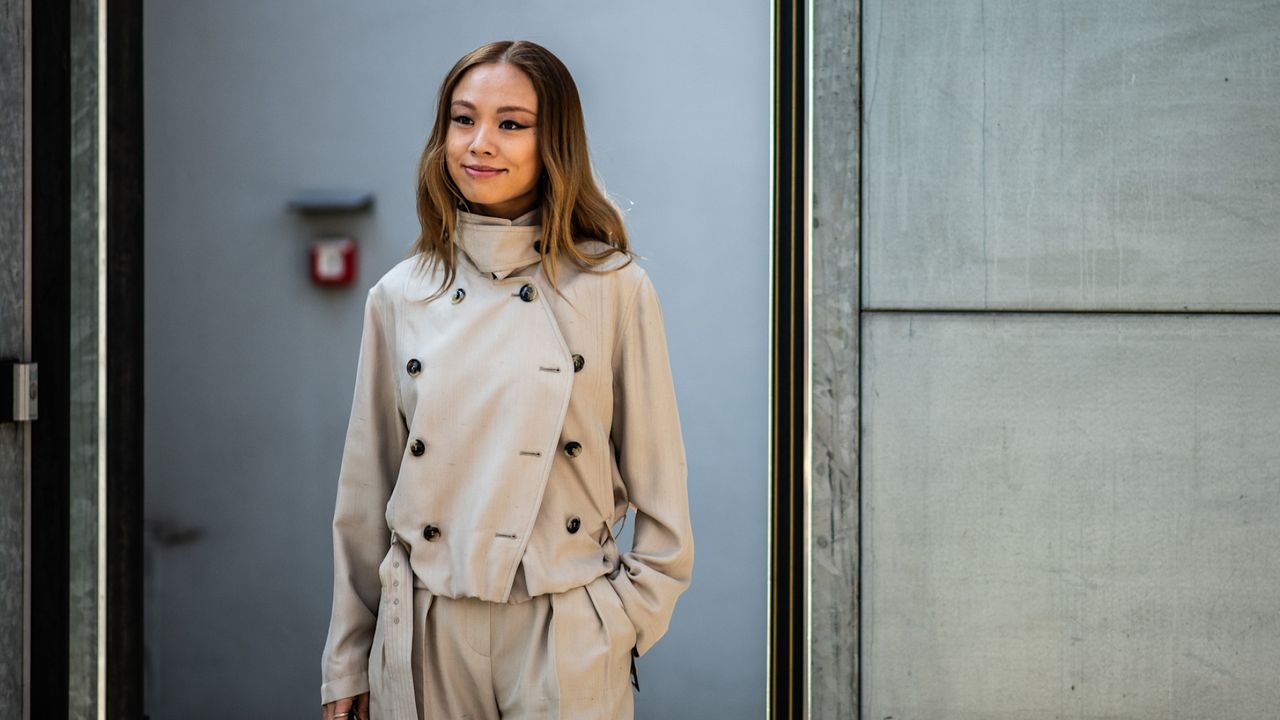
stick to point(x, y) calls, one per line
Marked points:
point(651, 460)
point(371, 455)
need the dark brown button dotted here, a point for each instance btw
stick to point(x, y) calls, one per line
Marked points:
point(431, 532)
point(573, 525)
point(573, 448)
point(528, 292)
point(578, 362)
point(537, 246)
point(418, 447)
point(458, 295)
point(414, 366)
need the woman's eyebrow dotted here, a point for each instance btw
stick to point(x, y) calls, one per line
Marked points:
point(504, 108)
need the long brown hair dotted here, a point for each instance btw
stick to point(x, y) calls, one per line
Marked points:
point(574, 207)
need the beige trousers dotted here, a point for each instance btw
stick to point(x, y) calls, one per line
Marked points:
point(565, 655)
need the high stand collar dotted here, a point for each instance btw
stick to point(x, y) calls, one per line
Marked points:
point(497, 245)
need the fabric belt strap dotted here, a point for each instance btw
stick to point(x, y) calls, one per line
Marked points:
point(396, 617)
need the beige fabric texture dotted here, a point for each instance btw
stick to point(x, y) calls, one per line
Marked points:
point(563, 655)
point(520, 465)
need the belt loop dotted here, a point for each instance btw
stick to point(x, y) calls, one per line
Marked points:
point(611, 551)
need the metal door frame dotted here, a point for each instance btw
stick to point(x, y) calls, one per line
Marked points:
point(813, 605)
point(117, 69)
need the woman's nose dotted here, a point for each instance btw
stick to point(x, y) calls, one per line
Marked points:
point(480, 144)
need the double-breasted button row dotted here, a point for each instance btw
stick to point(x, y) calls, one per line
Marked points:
point(573, 448)
point(528, 292)
point(417, 447)
point(414, 366)
point(431, 532)
point(573, 525)
point(578, 362)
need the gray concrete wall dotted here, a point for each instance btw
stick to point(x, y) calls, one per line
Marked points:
point(833, 362)
point(86, 625)
point(249, 367)
point(1070, 514)
point(1086, 155)
point(12, 318)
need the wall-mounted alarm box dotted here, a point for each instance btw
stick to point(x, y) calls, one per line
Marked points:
point(333, 261)
point(333, 258)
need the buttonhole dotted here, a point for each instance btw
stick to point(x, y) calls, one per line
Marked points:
point(534, 453)
point(548, 369)
point(505, 535)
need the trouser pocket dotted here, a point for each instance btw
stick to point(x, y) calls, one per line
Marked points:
point(619, 634)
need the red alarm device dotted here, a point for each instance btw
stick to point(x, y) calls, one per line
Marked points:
point(333, 261)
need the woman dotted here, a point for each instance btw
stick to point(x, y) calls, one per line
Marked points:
point(513, 397)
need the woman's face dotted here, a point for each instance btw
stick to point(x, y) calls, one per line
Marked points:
point(491, 146)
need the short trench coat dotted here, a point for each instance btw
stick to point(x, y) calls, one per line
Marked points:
point(499, 433)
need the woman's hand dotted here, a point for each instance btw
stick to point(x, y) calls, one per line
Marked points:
point(359, 703)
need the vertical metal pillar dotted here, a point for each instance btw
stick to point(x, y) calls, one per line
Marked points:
point(788, 367)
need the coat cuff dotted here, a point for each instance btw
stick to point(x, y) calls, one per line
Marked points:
point(649, 600)
point(344, 687)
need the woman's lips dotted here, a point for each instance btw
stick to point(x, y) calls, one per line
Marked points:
point(481, 171)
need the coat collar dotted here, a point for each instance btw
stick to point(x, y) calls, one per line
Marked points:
point(497, 245)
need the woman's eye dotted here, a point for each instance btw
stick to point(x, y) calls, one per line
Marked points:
point(461, 119)
point(511, 125)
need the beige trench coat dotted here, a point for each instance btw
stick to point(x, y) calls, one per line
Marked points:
point(498, 434)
